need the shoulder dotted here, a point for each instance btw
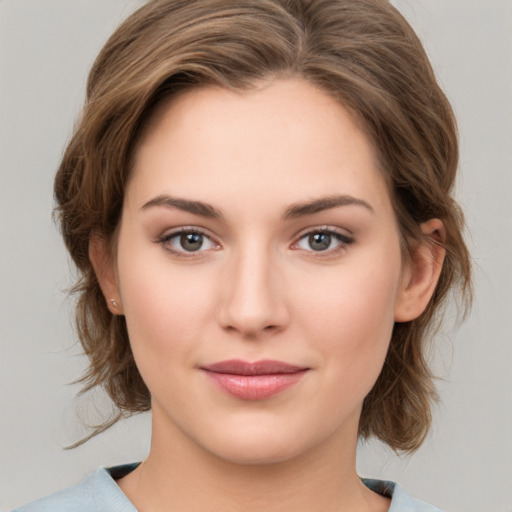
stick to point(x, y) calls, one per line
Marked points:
point(401, 501)
point(77, 499)
point(97, 493)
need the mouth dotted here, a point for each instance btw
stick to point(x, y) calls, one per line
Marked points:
point(254, 381)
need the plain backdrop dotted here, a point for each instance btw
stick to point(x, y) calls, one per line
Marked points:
point(46, 49)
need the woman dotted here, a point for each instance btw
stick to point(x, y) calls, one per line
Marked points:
point(258, 200)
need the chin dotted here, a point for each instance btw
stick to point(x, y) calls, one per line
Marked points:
point(260, 443)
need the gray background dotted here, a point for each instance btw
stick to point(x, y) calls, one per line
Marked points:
point(46, 49)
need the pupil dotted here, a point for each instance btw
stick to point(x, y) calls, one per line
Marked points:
point(319, 241)
point(191, 241)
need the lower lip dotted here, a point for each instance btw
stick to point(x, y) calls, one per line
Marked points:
point(255, 387)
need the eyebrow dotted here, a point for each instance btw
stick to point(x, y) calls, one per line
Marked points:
point(324, 203)
point(186, 205)
point(294, 211)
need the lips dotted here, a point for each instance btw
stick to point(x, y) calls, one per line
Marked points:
point(254, 381)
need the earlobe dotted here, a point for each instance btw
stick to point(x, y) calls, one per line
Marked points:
point(422, 272)
point(104, 268)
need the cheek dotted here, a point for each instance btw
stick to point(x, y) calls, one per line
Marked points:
point(351, 317)
point(165, 308)
point(350, 301)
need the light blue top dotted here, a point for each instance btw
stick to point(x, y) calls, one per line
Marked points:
point(100, 493)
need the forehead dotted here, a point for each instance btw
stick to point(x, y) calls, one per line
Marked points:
point(279, 140)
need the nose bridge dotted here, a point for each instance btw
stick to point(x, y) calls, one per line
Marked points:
point(252, 301)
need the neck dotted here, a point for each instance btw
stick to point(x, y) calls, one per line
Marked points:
point(181, 476)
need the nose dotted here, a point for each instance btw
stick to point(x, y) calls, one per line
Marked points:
point(253, 303)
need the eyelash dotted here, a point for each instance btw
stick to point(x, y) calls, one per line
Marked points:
point(343, 241)
point(165, 240)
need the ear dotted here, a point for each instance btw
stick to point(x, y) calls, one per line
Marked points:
point(104, 268)
point(421, 272)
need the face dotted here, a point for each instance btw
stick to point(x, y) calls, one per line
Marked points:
point(259, 270)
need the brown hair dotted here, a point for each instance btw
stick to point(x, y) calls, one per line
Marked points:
point(363, 53)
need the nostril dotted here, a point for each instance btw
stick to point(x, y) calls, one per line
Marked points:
point(250, 307)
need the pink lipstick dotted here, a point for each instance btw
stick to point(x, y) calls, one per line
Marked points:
point(253, 381)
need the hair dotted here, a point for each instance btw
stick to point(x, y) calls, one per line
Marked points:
point(364, 54)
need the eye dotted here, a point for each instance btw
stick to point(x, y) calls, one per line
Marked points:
point(187, 241)
point(323, 241)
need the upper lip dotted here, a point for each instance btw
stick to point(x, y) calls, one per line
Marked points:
point(265, 367)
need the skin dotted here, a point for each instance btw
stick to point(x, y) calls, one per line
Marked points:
point(256, 289)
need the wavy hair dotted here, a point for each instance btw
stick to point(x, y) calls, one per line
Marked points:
point(364, 54)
